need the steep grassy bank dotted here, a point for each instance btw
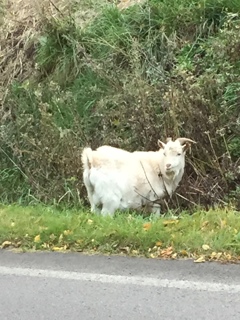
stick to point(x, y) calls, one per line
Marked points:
point(80, 73)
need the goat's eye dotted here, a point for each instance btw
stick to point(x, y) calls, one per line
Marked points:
point(179, 154)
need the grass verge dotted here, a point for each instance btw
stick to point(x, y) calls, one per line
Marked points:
point(212, 235)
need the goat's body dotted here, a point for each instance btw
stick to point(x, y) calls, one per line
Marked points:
point(112, 151)
point(131, 181)
point(118, 179)
point(147, 159)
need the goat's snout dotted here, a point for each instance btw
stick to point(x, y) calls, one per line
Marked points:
point(168, 165)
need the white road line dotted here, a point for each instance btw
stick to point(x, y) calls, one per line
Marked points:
point(117, 279)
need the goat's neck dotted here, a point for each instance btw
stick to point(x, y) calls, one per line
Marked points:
point(171, 181)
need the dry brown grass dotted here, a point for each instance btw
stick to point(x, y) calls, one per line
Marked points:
point(124, 4)
point(22, 21)
point(21, 24)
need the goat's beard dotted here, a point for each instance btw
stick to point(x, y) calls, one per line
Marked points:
point(171, 174)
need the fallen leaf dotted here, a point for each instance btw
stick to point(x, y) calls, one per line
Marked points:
point(184, 253)
point(167, 222)
point(18, 244)
point(60, 239)
point(174, 255)
point(79, 241)
point(135, 252)
point(45, 245)
point(205, 247)
point(126, 249)
point(219, 254)
point(67, 232)
point(52, 237)
point(57, 248)
point(89, 221)
point(6, 244)
point(200, 259)
point(213, 254)
point(166, 252)
point(147, 226)
point(158, 243)
point(227, 256)
point(12, 224)
point(37, 238)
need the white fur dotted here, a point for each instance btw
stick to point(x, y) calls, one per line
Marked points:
point(118, 179)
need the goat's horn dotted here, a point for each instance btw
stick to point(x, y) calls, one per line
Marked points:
point(184, 140)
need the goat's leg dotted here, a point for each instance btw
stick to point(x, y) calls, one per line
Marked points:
point(109, 208)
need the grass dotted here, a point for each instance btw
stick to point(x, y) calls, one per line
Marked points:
point(212, 235)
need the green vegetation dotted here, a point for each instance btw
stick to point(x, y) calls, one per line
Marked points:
point(203, 236)
point(121, 77)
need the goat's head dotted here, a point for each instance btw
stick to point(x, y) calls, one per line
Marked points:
point(174, 154)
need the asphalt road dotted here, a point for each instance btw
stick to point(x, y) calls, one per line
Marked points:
point(76, 286)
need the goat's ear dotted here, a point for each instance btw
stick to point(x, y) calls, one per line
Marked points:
point(161, 144)
point(186, 146)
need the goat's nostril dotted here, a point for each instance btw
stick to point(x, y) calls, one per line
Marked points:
point(168, 165)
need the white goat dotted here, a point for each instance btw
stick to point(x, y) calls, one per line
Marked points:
point(112, 151)
point(118, 179)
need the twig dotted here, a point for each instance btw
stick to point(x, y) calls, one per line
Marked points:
point(66, 193)
point(14, 163)
point(216, 158)
point(196, 189)
point(158, 199)
point(160, 175)
point(59, 11)
point(153, 201)
point(166, 204)
point(148, 180)
point(186, 199)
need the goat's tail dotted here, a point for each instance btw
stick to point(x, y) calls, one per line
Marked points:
point(87, 158)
